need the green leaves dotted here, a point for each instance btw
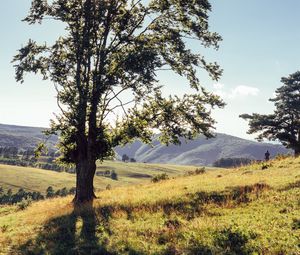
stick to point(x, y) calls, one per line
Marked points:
point(30, 59)
point(41, 148)
point(37, 11)
point(174, 118)
point(107, 62)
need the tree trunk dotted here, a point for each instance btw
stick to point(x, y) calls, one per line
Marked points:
point(297, 151)
point(85, 172)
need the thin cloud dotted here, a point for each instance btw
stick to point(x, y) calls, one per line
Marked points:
point(244, 91)
point(237, 92)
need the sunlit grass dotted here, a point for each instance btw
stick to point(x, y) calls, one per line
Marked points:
point(239, 211)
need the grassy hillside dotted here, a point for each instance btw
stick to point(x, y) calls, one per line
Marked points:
point(32, 179)
point(240, 211)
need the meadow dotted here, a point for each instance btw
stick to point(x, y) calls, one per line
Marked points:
point(245, 210)
point(33, 179)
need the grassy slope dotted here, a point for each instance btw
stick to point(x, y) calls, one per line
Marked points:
point(32, 179)
point(240, 211)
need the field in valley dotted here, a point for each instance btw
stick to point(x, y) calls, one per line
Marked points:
point(238, 211)
point(33, 179)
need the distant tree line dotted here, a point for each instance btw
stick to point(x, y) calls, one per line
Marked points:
point(232, 162)
point(9, 152)
point(11, 198)
point(21, 194)
point(26, 157)
point(126, 158)
point(25, 154)
point(50, 192)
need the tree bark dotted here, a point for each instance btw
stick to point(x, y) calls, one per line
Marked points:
point(85, 172)
point(297, 151)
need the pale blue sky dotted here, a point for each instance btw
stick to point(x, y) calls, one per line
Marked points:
point(260, 45)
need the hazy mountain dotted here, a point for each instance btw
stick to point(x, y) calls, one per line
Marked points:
point(201, 151)
point(23, 137)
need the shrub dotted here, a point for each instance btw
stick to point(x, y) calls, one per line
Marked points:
point(160, 177)
point(4, 228)
point(296, 224)
point(200, 170)
point(114, 175)
point(125, 158)
point(132, 160)
point(232, 162)
point(64, 192)
point(24, 204)
point(72, 191)
point(50, 192)
point(235, 241)
point(282, 156)
point(197, 171)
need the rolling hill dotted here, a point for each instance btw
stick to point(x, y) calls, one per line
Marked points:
point(237, 211)
point(200, 151)
point(33, 179)
point(23, 137)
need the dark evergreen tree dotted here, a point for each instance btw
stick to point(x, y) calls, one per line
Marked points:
point(63, 192)
point(50, 192)
point(114, 175)
point(284, 123)
point(125, 158)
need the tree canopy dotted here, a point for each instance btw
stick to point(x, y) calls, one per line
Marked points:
point(107, 64)
point(284, 123)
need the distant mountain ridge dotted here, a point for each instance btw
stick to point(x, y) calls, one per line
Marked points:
point(23, 137)
point(200, 151)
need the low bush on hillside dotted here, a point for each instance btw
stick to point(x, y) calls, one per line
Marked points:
point(232, 162)
point(197, 171)
point(282, 156)
point(160, 177)
point(296, 224)
point(234, 241)
point(114, 175)
point(50, 192)
point(21, 194)
point(24, 204)
point(23, 198)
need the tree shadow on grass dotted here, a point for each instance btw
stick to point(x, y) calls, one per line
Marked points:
point(293, 185)
point(87, 231)
point(70, 234)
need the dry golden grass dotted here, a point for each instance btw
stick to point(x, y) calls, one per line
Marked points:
point(240, 211)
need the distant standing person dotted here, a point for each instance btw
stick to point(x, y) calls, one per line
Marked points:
point(267, 156)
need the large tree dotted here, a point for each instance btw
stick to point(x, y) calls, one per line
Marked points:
point(284, 123)
point(115, 47)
